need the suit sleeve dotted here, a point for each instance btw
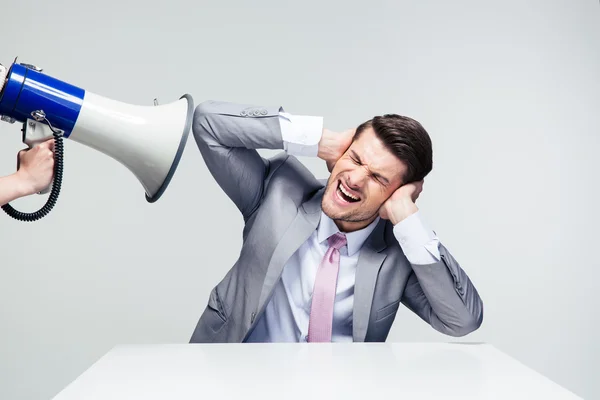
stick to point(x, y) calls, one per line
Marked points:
point(228, 136)
point(438, 290)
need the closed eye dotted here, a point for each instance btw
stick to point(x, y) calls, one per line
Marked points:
point(380, 179)
point(384, 181)
point(355, 157)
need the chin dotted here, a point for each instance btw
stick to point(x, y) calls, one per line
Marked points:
point(330, 210)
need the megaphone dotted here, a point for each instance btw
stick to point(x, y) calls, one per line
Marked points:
point(147, 140)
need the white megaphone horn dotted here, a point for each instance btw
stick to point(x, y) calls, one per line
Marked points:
point(148, 140)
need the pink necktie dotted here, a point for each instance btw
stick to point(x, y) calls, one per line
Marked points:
point(321, 310)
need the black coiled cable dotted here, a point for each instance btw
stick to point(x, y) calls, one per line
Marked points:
point(53, 197)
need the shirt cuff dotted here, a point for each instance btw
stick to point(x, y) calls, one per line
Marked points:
point(301, 134)
point(419, 244)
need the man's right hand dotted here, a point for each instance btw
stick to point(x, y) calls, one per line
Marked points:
point(36, 167)
point(333, 145)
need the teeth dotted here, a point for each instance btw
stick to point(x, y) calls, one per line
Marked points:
point(346, 193)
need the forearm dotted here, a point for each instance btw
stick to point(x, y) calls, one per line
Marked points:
point(449, 300)
point(230, 125)
point(440, 291)
point(228, 139)
point(228, 136)
point(12, 187)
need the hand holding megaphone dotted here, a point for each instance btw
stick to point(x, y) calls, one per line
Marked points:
point(36, 135)
point(36, 166)
point(43, 157)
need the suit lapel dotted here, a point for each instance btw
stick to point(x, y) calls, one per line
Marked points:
point(303, 225)
point(367, 269)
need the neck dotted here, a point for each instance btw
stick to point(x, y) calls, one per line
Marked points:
point(352, 226)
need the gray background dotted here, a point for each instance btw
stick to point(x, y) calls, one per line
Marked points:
point(508, 90)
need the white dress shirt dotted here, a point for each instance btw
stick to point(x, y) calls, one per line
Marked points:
point(287, 314)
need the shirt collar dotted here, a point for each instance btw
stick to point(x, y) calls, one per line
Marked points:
point(354, 240)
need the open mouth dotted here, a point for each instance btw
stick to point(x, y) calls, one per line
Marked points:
point(346, 195)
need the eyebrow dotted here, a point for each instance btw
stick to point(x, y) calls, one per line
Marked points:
point(376, 174)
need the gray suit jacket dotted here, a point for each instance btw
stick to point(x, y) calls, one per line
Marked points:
point(279, 199)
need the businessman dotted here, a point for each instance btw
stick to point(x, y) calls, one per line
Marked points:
point(326, 260)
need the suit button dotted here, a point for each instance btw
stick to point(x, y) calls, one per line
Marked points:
point(243, 113)
point(256, 113)
point(263, 112)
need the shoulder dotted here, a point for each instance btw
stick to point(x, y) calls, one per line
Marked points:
point(287, 177)
point(287, 170)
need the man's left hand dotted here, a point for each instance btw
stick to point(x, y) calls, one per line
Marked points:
point(401, 204)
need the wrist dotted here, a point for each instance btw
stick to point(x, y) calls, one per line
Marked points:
point(21, 184)
point(401, 210)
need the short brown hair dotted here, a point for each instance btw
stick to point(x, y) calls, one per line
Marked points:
point(407, 139)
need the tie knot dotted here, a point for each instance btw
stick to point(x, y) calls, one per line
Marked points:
point(337, 241)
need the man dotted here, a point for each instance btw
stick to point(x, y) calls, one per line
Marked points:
point(35, 173)
point(327, 261)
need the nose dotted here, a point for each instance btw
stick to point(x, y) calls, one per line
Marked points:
point(356, 178)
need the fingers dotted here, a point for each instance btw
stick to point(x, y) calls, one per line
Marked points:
point(47, 144)
point(418, 190)
point(330, 165)
point(412, 189)
point(383, 212)
point(42, 153)
point(349, 134)
point(46, 149)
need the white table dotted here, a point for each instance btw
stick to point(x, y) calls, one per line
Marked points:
point(310, 371)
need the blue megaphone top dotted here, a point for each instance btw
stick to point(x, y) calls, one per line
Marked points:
point(27, 90)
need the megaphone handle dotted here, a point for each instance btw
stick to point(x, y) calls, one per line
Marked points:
point(54, 192)
point(47, 189)
point(35, 133)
